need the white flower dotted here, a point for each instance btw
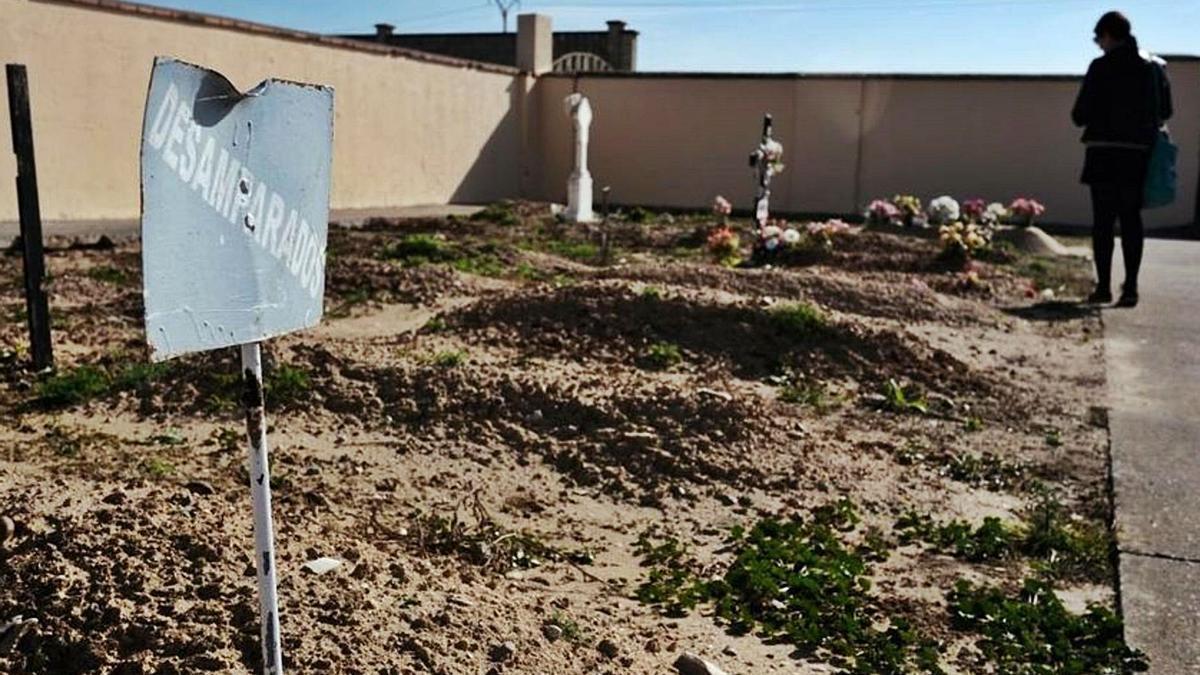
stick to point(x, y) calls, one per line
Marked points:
point(791, 235)
point(944, 209)
point(994, 213)
point(771, 232)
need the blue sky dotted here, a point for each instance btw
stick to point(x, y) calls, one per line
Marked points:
point(988, 36)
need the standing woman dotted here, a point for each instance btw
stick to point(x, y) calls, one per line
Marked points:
point(1124, 100)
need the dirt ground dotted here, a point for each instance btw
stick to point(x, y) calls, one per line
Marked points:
point(481, 431)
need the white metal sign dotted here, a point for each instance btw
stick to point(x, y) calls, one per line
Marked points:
point(235, 204)
point(235, 207)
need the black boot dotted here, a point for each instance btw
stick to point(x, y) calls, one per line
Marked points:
point(1101, 296)
point(1129, 296)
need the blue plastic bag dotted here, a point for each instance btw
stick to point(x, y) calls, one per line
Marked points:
point(1161, 177)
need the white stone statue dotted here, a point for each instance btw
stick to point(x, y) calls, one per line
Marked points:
point(579, 185)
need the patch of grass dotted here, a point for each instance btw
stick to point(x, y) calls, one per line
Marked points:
point(651, 293)
point(903, 399)
point(662, 356)
point(972, 424)
point(992, 540)
point(1058, 547)
point(571, 631)
point(139, 376)
point(498, 213)
point(287, 384)
point(358, 296)
point(413, 250)
point(529, 272)
point(484, 265)
point(72, 387)
point(799, 319)
point(448, 358)
point(109, 275)
point(1054, 438)
point(156, 467)
point(172, 436)
point(435, 324)
point(581, 251)
point(1032, 632)
point(794, 581)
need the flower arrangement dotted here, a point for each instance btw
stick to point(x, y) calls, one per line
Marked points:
point(943, 210)
point(721, 206)
point(723, 243)
point(910, 209)
point(828, 230)
point(1026, 210)
point(772, 155)
point(882, 212)
point(772, 235)
point(994, 214)
point(963, 240)
point(973, 210)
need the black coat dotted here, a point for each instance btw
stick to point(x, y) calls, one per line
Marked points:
point(1122, 100)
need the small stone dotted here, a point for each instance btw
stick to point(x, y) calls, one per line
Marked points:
point(729, 651)
point(460, 600)
point(322, 565)
point(714, 393)
point(502, 652)
point(8, 529)
point(552, 632)
point(608, 648)
point(200, 487)
point(690, 664)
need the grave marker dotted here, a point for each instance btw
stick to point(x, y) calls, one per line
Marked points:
point(579, 184)
point(235, 208)
point(765, 162)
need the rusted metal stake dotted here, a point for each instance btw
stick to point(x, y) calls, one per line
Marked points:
point(37, 307)
point(260, 493)
point(605, 250)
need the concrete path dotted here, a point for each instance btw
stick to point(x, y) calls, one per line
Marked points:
point(1153, 363)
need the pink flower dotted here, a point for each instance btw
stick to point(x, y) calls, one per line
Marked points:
point(1027, 208)
point(973, 208)
point(721, 206)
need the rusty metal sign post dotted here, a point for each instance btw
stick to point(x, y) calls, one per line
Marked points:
point(235, 209)
point(37, 306)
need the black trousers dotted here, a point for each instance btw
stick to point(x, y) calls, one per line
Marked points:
point(1112, 202)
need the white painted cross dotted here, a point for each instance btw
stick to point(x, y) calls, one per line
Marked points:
point(235, 209)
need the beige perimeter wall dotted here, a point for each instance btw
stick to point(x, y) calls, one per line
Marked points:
point(406, 131)
point(414, 129)
point(679, 140)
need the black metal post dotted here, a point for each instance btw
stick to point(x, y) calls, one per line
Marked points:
point(36, 304)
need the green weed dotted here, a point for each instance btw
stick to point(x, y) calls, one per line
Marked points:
point(498, 213)
point(286, 384)
point(413, 250)
point(156, 467)
point(72, 387)
point(449, 358)
point(794, 581)
point(582, 251)
point(662, 356)
point(1033, 633)
point(109, 275)
point(903, 399)
point(799, 319)
point(571, 631)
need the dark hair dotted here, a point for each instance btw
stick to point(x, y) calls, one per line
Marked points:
point(1115, 25)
